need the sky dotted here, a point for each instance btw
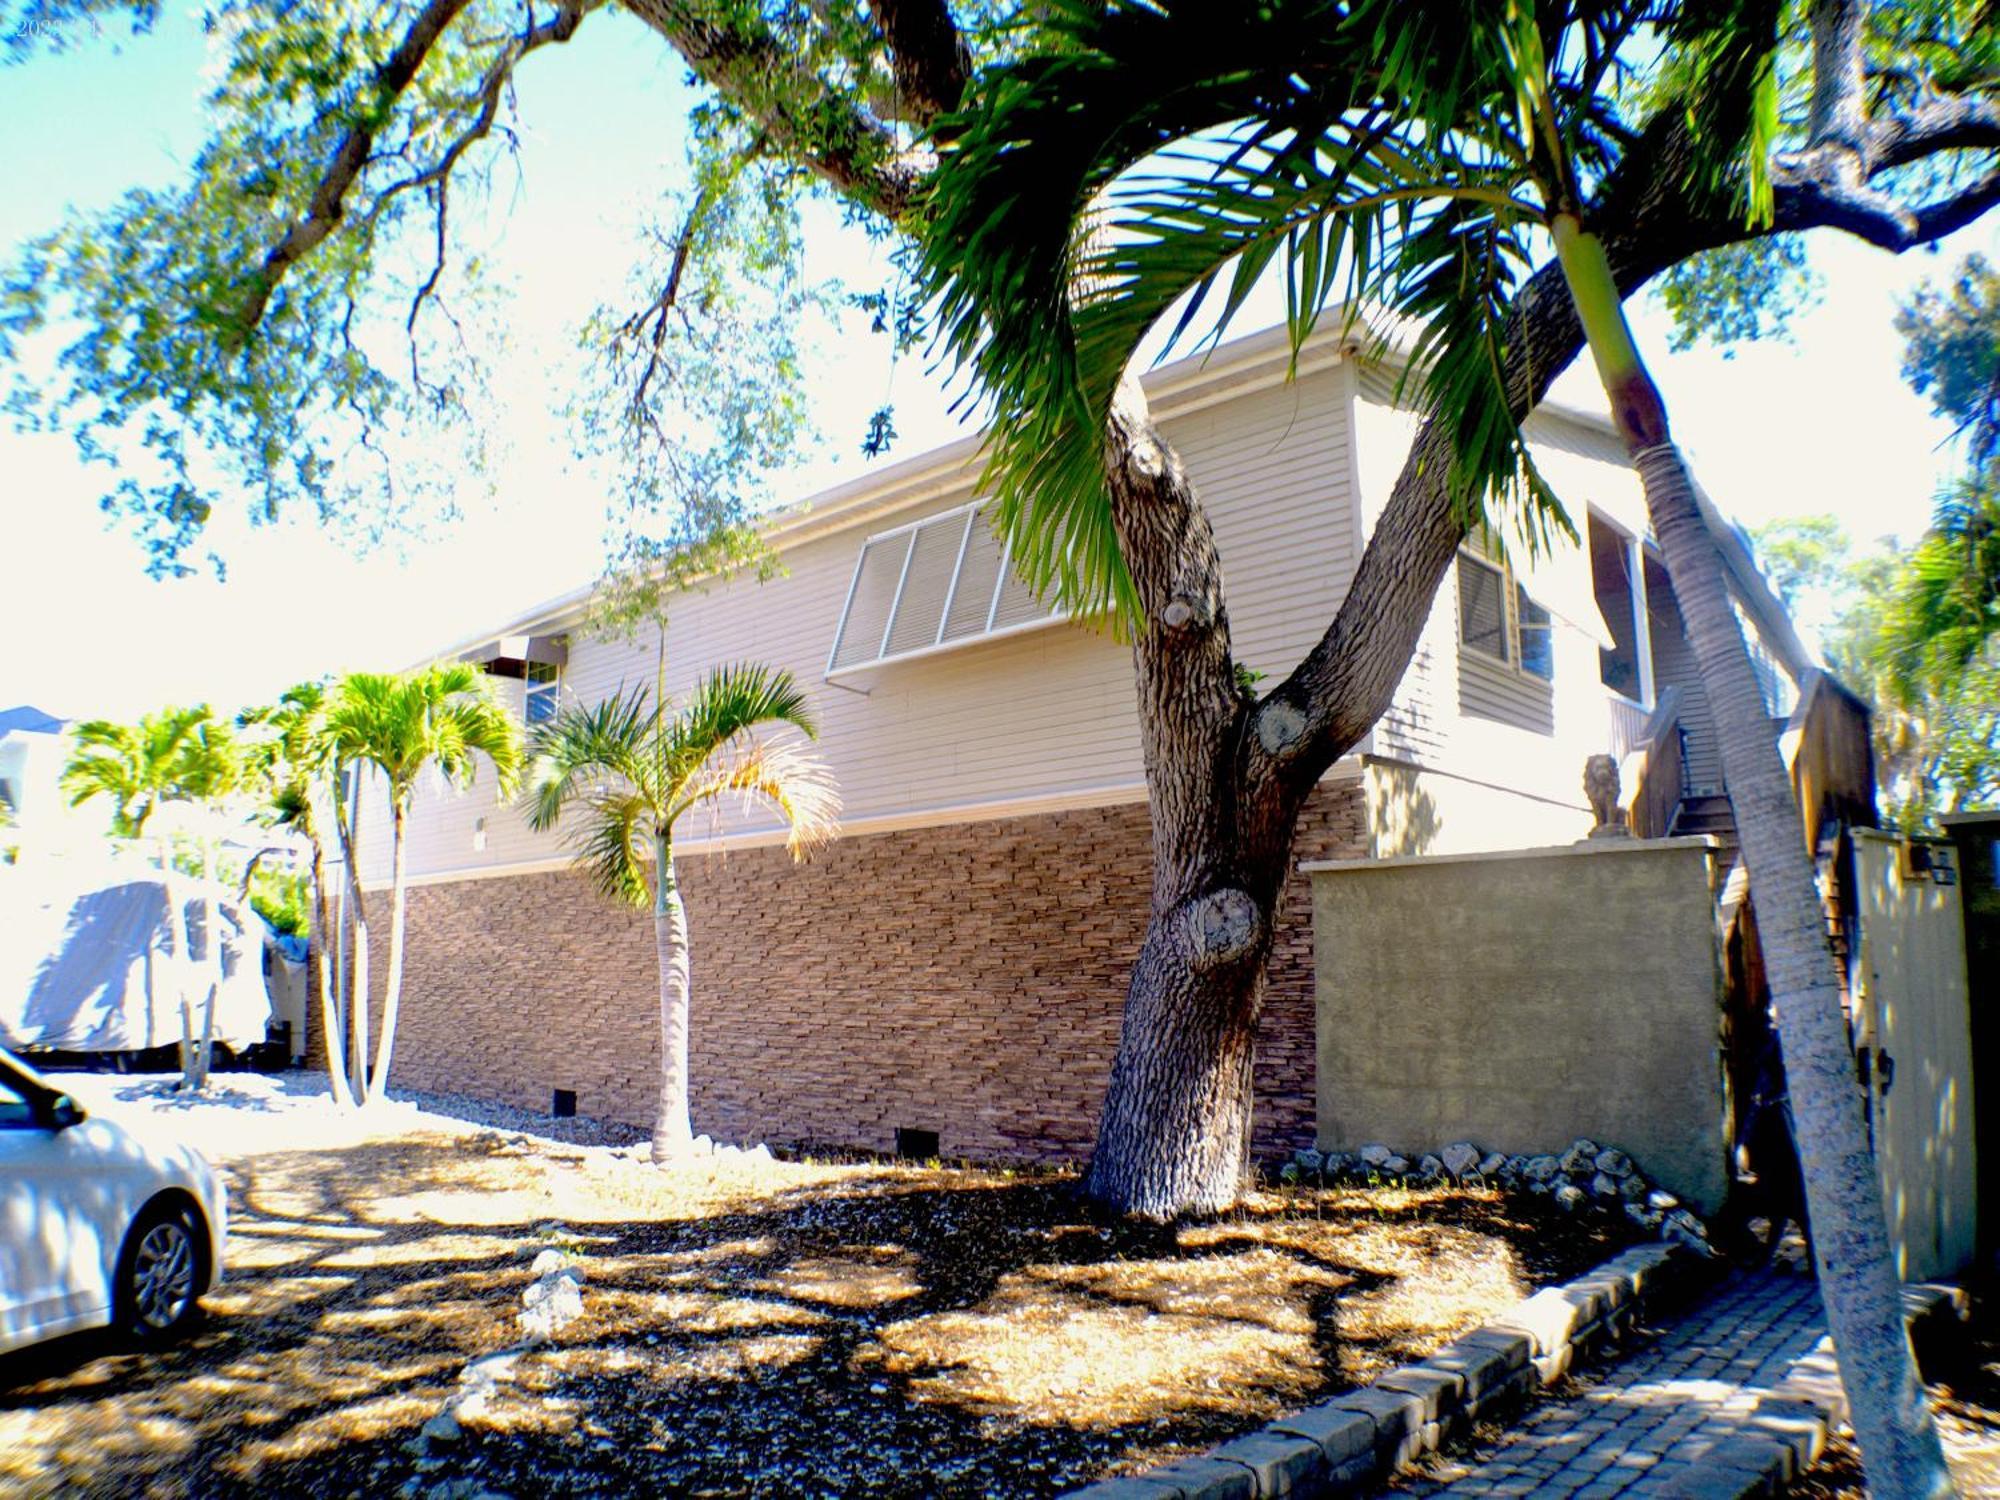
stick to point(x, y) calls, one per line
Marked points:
point(1819, 422)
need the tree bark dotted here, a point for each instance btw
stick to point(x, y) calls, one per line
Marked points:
point(183, 966)
point(357, 995)
point(392, 996)
point(211, 923)
point(1858, 1284)
point(327, 980)
point(673, 1136)
point(1175, 1130)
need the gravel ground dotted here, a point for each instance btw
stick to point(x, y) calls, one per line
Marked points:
point(746, 1326)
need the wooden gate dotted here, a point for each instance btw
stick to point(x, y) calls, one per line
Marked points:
point(1913, 1043)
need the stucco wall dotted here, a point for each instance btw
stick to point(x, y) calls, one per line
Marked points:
point(1521, 1000)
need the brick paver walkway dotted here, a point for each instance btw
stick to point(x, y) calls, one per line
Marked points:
point(1649, 1420)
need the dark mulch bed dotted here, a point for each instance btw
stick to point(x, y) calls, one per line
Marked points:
point(776, 1328)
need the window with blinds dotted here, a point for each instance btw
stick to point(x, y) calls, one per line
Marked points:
point(942, 581)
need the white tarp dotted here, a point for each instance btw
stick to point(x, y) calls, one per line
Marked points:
point(94, 970)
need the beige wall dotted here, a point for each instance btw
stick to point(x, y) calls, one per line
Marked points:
point(1414, 811)
point(1519, 1001)
point(1036, 720)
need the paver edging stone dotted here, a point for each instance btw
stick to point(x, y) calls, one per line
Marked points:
point(1364, 1435)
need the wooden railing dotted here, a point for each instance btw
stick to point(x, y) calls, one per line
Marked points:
point(1655, 771)
point(1831, 753)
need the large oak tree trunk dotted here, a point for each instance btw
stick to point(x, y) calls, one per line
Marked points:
point(1857, 1278)
point(1175, 1130)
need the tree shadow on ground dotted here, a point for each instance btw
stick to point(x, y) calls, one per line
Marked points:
point(783, 1329)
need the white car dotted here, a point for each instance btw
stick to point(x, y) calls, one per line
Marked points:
point(98, 1227)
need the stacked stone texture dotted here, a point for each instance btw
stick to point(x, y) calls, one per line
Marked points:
point(965, 979)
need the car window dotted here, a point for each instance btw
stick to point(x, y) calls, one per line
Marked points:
point(15, 1111)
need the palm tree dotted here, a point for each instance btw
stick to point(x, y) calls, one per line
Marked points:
point(1424, 154)
point(209, 770)
point(133, 764)
point(443, 717)
point(635, 764)
point(293, 760)
point(138, 766)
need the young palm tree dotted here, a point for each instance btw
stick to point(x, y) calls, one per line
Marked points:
point(634, 765)
point(210, 769)
point(138, 766)
point(443, 717)
point(293, 760)
point(1423, 153)
point(133, 764)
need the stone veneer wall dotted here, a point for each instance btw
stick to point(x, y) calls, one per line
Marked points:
point(965, 979)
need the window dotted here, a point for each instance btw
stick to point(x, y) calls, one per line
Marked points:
point(544, 679)
point(1482, 608)
point(1484, 627)
point(1538, 654)
point(1618, 579)
point(931, 584)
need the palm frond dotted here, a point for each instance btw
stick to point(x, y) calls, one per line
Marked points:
point(728, 702)
point(612, 847)
point(582, 745)
point(1154, 155)
point(445, 716)
point(784, 775)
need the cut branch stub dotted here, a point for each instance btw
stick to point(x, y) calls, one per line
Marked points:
point(1223, 926)
point(1281, 727)
point(1184, 610)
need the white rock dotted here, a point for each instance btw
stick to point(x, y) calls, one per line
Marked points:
point(554, 1262)
point(1374, 1155)
point(1569, 1197)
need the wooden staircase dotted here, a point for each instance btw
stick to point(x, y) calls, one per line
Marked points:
point(1700, 812)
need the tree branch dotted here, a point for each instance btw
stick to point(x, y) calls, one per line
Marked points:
point(328, 204)
point(927, 54)
point(1838, 114)
point(1818, 194)
point(741, 60)
point(1648, 223)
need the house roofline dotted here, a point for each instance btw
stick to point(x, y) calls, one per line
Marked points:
point(1234, 367)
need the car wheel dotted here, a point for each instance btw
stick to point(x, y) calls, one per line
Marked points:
point(159, 1274)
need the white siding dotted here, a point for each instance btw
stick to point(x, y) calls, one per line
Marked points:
point(1485, 720)
point(1047, 713)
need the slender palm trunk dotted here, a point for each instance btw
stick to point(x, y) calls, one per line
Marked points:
point(672, 1132)
point(326, 977)
point(211, 925)
point(392, 997)
point(1858, 1284)
point(357, 995)
point(183, 965)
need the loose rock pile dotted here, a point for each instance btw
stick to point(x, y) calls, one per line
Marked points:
point(1585, 1178)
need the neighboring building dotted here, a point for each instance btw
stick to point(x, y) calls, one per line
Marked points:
point(956, 962)
point(33, 748)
